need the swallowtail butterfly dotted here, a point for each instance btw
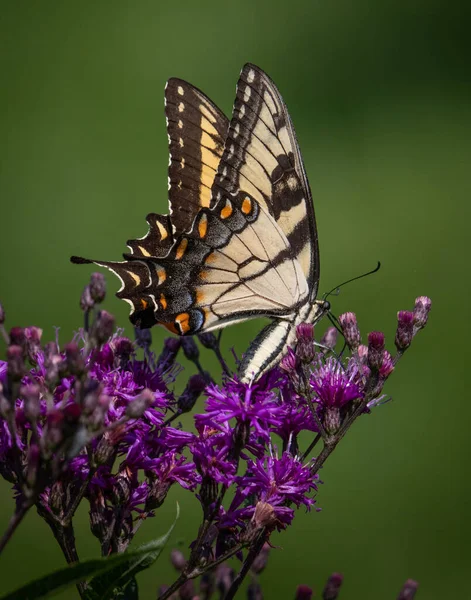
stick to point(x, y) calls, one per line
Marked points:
point(240, 240)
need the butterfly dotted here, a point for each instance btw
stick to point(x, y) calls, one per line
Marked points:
point(240, 240)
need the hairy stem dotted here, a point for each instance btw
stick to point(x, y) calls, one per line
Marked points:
point(311, 447)
point(196, 572)
point(254, 551)
point(14, 522)
point(65, 537)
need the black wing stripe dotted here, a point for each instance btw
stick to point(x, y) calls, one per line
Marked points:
point(196, 130)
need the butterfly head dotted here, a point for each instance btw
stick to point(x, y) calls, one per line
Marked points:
point(317, 310)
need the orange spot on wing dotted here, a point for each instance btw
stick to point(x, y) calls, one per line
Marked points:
point(162, 275)
point(203, 275)
point(171, 327)
point(144, 304)
point(181, 249)
point(247, 205)
point(163, 301)
point(226, 212)
point(210, 258)
point(183, 321)
point(199, 297)
point(203, 226)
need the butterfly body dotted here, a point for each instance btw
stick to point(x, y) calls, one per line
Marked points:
point(240, 240)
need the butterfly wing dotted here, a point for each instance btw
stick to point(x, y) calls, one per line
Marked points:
point(196, 130)
point(263, 158)
point(245, 241)
point(234, 264)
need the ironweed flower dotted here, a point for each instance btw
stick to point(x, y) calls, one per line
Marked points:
point(92, 420)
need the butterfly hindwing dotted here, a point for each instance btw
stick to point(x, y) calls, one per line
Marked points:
point(158, 240)
point(220, 272)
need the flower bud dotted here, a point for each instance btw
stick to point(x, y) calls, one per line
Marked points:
point(405, 329)
point(91, 394)
point(224, 578)
point(332, 587)
point(156, 495)
point(261, 560)
point(303, 592)
point(191, 393)
point(305, 348)
point(6, 409)
point(363, 353)
point(143, 337)
point(53, 363)
point(305, 331)
point(254, 591)
point(123, 348)
point(177, 558)
point(121, 490)
point(105, 450)
point(291, 365)
point(190, 348)
point(387, 365)
point(140, 404)
point(329, 339)
point(422, 308)
point(187, 590)
point(167, 358)
point(17, 337)
point(332, 419)
point(350, 329)
point(15, 363)
point(73, 359)
point(103, 327)
point(34, 457)
point(72, 412)
point(375, 350)
point(208, 340)
point(56, 498)
point(408, 590)
point(33, 342)
point(207, 585)
point(86, 300)
point(264, 516)
point(97, 287)
point(31, 398)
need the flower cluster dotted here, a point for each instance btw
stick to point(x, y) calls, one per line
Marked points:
point(91, 420)
point(84, 421)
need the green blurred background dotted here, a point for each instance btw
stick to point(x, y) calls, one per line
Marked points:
point(379, 95)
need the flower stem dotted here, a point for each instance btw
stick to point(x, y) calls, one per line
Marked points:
point(311, 447)
point(196, 572)
point(14, 522)
point(254, 551)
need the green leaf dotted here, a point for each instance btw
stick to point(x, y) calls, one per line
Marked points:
point(104, 585)
point(108, 573)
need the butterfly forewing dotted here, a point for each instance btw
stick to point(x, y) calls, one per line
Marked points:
point(197, 131)
point(262, 157)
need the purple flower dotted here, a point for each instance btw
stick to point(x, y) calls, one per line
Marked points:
point(211, 453)
point(250, 404)
point(298, 417)
point(335, 386)
point(278, 480)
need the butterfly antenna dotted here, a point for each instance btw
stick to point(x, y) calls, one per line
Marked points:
point(336, 289)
